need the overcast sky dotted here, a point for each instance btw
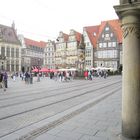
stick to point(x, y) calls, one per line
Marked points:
point(43, 19)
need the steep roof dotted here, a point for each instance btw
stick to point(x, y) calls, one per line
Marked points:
point(8, 34)
point(30, 42)
point(92, 32)
point(66, 36)
point(78, 36)
point(115, 25)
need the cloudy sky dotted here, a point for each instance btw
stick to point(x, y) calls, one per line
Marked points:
point(43, 19)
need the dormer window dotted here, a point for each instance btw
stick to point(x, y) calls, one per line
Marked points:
point(107, 35)
point(111, 34)
point(94, 34)
point(107, 28)
point(103, 35)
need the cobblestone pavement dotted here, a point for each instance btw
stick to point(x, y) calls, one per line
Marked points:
point(101, 122)
point(26, 109)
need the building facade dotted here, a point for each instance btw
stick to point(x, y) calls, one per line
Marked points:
point(73, 49)
point(90, 34)
point(109, 45)
point(10, 49)
point(49, 52)
point(32, 53)
point(61, 50)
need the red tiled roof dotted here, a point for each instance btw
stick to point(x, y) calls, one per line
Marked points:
point(78, 36)
point(117, 29)
point(92, 32)
point(115, 25)
point(30, 42)
point(66, 36)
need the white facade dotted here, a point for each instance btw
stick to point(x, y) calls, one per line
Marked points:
point(49, 52)
point(88, 51)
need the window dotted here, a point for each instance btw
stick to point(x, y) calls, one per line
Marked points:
point(113, 44)
point(12, 52)
point(87, 43)
point(104, 45)
point(94, 34)
point(17, 53)
point(100, 45)
point(107, 28)
point(107, 54)
point(8, 52)
point(106, 35)
point(111, 34)
point(109, 44)
point(103, 35)
point(3, 51)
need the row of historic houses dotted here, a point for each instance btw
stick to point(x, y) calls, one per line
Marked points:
point(96, 46)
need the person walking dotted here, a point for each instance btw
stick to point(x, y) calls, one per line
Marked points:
point(2, 84)
point(1, 78)
point(86, 75)
point(5, 78)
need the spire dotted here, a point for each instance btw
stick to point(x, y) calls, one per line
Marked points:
point(13, 25)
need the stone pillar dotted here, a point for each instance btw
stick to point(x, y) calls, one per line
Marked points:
point(129, 15)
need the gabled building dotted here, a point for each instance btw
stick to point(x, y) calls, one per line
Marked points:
point(74, 49)
point(61, 50)
point(109, 44)
point(49, 52)
point(10, 49)
point(90, 34)
point(32, 53)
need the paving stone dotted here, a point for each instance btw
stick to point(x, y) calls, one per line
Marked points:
point(46, 137)
point(69, 135)
point(87, 137)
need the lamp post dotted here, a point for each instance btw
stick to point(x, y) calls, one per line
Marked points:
point(38, 77)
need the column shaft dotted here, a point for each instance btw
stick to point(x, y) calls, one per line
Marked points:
point(131, 76)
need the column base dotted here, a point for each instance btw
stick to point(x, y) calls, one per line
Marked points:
point(124, 138)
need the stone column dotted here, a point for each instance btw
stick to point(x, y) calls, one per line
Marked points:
point(129, 15)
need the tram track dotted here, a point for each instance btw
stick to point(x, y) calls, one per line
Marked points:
point(29, 91)
point(53, 124)
point(27, 100)
point(52, 103)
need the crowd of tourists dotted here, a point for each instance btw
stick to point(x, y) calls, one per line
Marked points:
point(61, 76)
point(90, 74)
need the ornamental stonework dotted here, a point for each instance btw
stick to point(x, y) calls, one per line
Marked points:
point(131, 30)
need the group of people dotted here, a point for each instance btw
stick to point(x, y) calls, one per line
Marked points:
point(62, 75)
point(89, 74)
point(3, 80)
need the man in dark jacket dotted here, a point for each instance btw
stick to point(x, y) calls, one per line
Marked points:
point(1, 78)
point(2, 85)
point(5, 77)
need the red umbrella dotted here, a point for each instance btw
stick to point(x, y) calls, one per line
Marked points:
point(53, 70)
point(44, 70)
point(35, 70)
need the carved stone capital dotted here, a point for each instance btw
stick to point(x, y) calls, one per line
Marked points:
point(134, 30)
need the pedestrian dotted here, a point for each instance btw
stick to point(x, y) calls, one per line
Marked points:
point(86, 75)
point(5, 78)
point(2, 84)
point(1, 78)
